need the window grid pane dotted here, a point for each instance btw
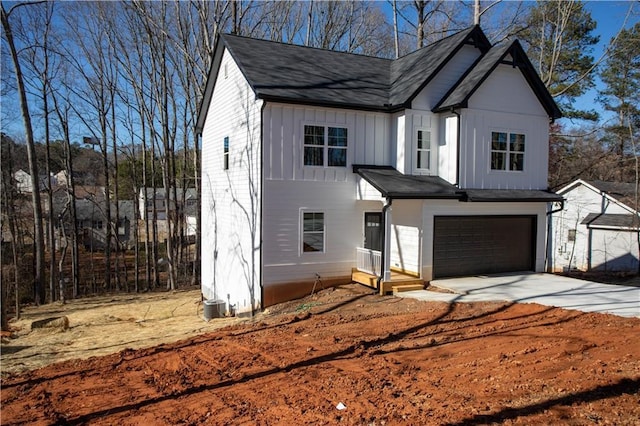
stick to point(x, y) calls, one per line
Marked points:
point(313, 232)
point(507, 156)
point(424, 149)
point(313, 156)
point(313, 135)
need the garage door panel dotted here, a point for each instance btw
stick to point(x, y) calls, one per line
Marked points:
point(471, 245)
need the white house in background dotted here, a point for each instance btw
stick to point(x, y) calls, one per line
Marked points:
point(148, 196)
point(597, 229)
point(24, 184)
point(348, 167)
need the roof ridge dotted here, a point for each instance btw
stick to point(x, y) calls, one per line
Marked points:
point(321, 49)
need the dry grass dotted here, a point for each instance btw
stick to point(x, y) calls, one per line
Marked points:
point(103, 325)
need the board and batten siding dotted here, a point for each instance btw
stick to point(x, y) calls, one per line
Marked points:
point(231, 199)
point(491, 108)
point(368, 141)
point(611, 249)
point(406, 235)
point(434, 208)
point(291, 188)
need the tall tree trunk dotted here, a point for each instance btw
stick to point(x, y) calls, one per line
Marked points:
point(39, 277)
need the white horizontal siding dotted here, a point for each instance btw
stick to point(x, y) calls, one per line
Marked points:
point(231, 198)
point(283, 259)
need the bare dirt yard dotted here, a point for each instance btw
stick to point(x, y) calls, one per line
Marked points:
point(342, 356)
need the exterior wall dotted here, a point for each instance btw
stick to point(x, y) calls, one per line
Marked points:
point(436, 89)
point(291, 188)
point(231, 199)
point(368, 136)
point(504, 102)
point(406, 235)
point(434, 208)
point(613, 250)
point(415, 120)
point(447, 149)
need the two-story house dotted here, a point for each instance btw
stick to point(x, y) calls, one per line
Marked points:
point(321, 163)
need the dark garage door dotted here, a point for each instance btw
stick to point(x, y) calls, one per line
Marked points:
point(472, 245)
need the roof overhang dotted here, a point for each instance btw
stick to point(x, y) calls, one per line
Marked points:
point(611, 221)
point(511, 195)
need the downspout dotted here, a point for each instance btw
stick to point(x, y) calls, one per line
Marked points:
point(457, 114)
point(260, 271)
point(548, 250)
point(383, 254)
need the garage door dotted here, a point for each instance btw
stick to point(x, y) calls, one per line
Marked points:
point(472, 245)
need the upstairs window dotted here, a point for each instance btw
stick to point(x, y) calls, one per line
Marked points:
point(325, 146)
point(423, 149)
point(226, 154)
point(507, 151)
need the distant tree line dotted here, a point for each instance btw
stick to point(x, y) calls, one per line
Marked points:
point(113, 88)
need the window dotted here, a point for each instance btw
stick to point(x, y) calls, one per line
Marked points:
point(226, 153)
point(571, 235)
point(312, 232)
point(507, 151)
point(325, 146)
point(423, 144)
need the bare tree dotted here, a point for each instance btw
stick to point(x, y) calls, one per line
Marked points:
point(39, 278)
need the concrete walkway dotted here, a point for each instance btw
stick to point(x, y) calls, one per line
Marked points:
point(545, 289)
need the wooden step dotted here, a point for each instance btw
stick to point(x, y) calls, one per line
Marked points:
point(406, 287)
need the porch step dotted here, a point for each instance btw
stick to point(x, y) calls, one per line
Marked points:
point(406, 287)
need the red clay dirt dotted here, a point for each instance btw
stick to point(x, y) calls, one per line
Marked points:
point(385, 360)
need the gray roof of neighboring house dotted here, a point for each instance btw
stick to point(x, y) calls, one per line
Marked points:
point(160, 193)
point(298, 74)
point(622, 191)
point(610, 220)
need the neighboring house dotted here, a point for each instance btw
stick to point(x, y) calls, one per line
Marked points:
point(90, 202)
point(343, 166)
point(25, 186)
point(146, 200)
point(597, 228)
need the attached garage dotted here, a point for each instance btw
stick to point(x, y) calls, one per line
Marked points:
point(473, 245)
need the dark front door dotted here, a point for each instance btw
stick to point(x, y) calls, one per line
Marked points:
point(373, 231)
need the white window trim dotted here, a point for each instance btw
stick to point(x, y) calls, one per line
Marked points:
point(491, 150)
point(325, 159)
point(301, 251)
point(416, 169)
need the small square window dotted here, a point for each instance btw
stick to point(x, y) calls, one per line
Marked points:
point(507, 156)
point(325, 146)
point(571, 235)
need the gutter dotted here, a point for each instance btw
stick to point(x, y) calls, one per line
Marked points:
point(260, 271)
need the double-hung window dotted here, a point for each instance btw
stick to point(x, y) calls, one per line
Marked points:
point(423, 149)
point(325, 146)
point(507, 151)
point(312, 232)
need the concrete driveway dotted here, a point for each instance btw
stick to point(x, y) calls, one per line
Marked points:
point(545, 289)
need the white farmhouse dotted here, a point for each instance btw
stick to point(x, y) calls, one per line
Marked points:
point(597, 230)
point(348, 167)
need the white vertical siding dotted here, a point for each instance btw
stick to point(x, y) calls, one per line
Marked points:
point(504, 102)
point(368, 141)
point(231, 198)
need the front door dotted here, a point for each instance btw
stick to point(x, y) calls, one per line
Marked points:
point(373, 231)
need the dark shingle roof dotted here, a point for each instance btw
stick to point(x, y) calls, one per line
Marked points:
point(459, 95)
point(507, 195)
point(288, 72)
point(391, 183)
point(609, 220)
point(621, 191)
point(298, 74)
